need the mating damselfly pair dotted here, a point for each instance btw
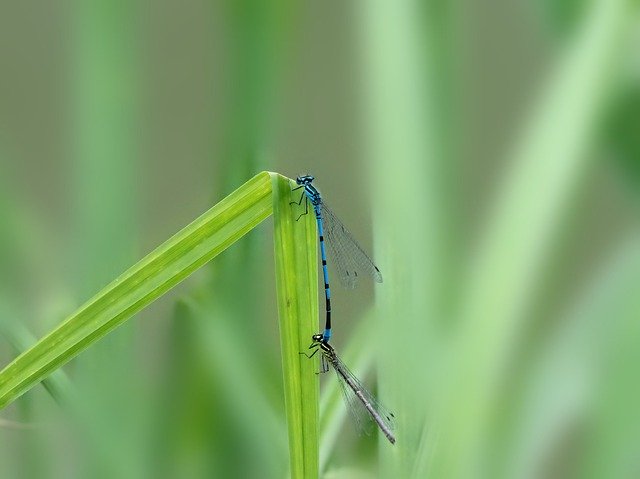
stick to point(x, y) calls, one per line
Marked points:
point(350, 261)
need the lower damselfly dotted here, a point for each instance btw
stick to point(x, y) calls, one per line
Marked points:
point(362, 405)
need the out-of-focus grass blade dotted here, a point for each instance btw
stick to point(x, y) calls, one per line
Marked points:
point(613, 432)
point(297, 290)
point(104, 93)
point(560, 389)
point(411, 50)
point(214, 343)
point(545, 169)
point(155, 274)
point(57, 384)
point(398, 55)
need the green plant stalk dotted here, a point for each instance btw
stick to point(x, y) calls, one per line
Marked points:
point(297, 287)
point(147, 280)
point(170, 263)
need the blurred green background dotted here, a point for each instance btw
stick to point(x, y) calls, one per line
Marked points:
point(487, 153)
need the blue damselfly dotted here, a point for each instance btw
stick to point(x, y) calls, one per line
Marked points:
point(349, 258)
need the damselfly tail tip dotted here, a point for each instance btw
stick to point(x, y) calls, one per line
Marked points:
point(377, 276)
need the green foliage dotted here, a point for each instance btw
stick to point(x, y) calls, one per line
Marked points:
point(505, 332)
point(144, 282)
point(456, 351)
point(173, 261)
point(297, 291)
point(564, 17)
point(622, 133)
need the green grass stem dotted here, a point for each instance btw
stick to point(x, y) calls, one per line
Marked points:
point(297, 286)
point(147, 280)
point(170, 263)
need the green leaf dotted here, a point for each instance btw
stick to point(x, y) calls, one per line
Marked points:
point(188, 250)
point(297, 286)
point(147, 280)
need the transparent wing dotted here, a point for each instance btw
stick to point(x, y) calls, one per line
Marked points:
point(349, 258)
point(357, 411)
point(361, 416)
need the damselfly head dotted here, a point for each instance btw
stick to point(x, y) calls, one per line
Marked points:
point(304, 179)
point(316, 338)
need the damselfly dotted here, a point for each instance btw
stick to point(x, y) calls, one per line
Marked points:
point(350, 259)
point(362, 405)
